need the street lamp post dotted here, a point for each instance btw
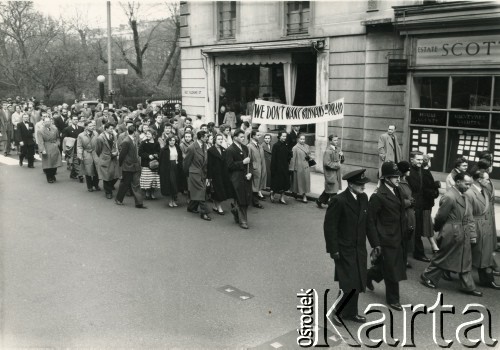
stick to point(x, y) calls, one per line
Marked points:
point(101, 79)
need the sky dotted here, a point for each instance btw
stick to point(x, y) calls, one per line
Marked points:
point(94, 11)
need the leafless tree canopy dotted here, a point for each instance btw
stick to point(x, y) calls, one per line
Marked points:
point(40, 55)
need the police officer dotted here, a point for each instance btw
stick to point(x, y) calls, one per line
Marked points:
point(387, 221)
point(345, 230)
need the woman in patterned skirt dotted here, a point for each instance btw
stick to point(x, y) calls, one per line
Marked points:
point(149, 150)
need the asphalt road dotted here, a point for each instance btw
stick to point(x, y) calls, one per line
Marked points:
point(79, 271)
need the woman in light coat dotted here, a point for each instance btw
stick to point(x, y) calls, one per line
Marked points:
point(300, 167)
point(259, 171)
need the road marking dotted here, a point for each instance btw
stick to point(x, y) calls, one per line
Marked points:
point(289, 340)
point(276, 345)
point(235, 292)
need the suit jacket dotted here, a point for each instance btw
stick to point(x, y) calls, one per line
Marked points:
point(129, 157)
point(26, 134)
point(237, 173)
point(60, 123)
point(387, 148)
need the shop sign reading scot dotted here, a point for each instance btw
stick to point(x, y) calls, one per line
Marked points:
point(468, 50)
point(266, 112)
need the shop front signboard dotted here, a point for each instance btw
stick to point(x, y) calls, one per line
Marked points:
point(467, 119)
point(428, 117)
point(463, 50)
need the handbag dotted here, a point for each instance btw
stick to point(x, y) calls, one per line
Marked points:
point(309, 160)
point(154, 164)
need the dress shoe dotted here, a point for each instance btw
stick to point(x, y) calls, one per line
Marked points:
point(109, 195)
point(356, 318)
point(97, 188)
point(50, 181)
point(422, 258)
point(90, 189)
point(474, 293)
point(319, 204)
point(396, 306)
point(492, 285)
point(244, 225)
point(31, 166)
point(258, 205)
point(140, 206)
point(193, 211)
point(118, 202)
point(427, 282)
point(495, 273)
point(262, 198)
point(206, 217)
point(369, 284)
point(73, 177)
point(217, 211)
point(408, 265)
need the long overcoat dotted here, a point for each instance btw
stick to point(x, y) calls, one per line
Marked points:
point(301, 170)
point(164, 171)
point(490, 215)
point(217, 171)
point(48, 141)
point(85, 150)
point(280, 158)
point(331, 170)
point(4, 126)
point(388, 149)
point(345, 230)
point(195, 166)
point(456, 227)
point(107, 151)
point(267, 157)
point(241, 187)
point(482, 251)
point(387, 220)
point(259, 173)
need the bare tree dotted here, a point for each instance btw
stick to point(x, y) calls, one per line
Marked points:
point(175, 21)
point(131, 9)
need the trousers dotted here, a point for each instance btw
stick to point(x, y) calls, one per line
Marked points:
point(130, 180)
point(376, 274)
point(108, 185)
point(434, 273)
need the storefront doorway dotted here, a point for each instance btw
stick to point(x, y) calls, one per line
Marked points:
point(290, 79)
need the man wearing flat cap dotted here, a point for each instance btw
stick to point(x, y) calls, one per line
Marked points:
point(345, 230)
point(387, 222)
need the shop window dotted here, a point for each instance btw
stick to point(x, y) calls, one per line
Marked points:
point(471, 93)
point(496, 95)
point(298, 17)
point(227, 19)
point(433, 92)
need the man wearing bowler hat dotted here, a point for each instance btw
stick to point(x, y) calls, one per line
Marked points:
point(345, 230)
point(387, 222)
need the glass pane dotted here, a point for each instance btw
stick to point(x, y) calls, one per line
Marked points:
point(496, 97)
point(305, 5)
point(471, 93)
point(433, 92)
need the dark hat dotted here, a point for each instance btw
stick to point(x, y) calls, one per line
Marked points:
point(389, 169)
point(404, 166)
point(356, 177)
point(484, 154)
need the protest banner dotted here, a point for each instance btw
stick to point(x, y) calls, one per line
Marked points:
point(266, 112)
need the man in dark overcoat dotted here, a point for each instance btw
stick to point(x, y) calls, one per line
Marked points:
point(387, 220)
point(345, 236)
point(195, 166)
point(107, 166)
point(71, 132)
point(457, 232)
point(280, 158)
point(240, 174)
point(26, 131)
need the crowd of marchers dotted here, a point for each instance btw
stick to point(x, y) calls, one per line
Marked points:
point(154, 152)
point(462, 234)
